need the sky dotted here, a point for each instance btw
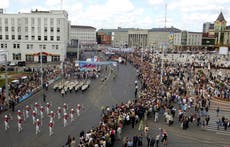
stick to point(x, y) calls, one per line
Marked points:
point(109, 14)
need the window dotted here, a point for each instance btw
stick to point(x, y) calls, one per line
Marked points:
point(19, 37)
point(14, 45)
point(51, 38)
point(32, 37)
point(18, 45)
point(56, 47)
point(32, 29)
point(26, 37)
point(51, 29)
point(0, 29)
point(17, 56)
point(44, 47)
point(2, 45)
point(39, 21)
point(19, 29)
point(12, 29)
point(28, 46)
point(26, 21)
point(0, 37)
point(58, 29)
point(30, 58)
point(40, 46)
point(5, 45)
point(55, 58)
point(7, 37)
point(53, 47)
point(6, 21)
point(19, 21)
point(39, 29)
point(45, 29)
point(39, 37)
point(31, 46)
point(45, 37)
point(6, 29)
point(45, 21)
point(13, 37)
point(58, 38)
point(59, 21)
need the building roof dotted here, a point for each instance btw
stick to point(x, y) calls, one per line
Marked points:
point(83, 27)
point(220, 17)
point(172, 29)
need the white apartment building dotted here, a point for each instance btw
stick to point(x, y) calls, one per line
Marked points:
point(27, 36)
point(85, 34)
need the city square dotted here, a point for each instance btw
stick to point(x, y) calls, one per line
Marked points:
point(66, 84)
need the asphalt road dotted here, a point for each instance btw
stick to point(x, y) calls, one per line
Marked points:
point(99, 94)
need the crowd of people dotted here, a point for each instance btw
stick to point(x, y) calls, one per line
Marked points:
point(21, 87)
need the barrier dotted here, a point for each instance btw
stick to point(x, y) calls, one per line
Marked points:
point(25, 97)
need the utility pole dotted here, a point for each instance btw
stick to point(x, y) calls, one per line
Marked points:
point(165, 14)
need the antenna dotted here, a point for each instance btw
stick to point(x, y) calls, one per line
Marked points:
point(165, 14)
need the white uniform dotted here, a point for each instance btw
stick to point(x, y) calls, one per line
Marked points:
point(59, 113)
point(72, 115)
point(65, 119)
point(51, 115)
point(27, 111)
point(78, 109)
point(19, 124)
point(42, 109)
point(37, 126)
point(64, 108)
point(51, 125)
point(6, 122)
point(47, 108)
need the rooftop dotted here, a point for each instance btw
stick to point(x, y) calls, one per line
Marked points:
point(83, 27)
point(220, 17)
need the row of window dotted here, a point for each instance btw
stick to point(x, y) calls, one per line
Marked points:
point(19, 37)
point(53, 58)
point(19, 29)
point(29, 46)
point(32, 22)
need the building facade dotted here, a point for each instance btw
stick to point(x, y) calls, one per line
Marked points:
point(30, 36)
point(85, 34)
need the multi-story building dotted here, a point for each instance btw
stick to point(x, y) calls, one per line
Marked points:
point(187, 40)
point(85, 34)
point(29, 36)
point(105, 36)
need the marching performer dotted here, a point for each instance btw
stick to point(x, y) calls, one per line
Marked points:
point(19, 124)
point(6, 122)
point(36, 107)
point(64, 108)
point(51, 125)
point(27, 111)
point(47, 108)
point(72, 115)
point(34, 116)
point(42, 109)
point(37, 126)
point(19, 114)
point(51, 115)
point(59, 113)
point(65, 119)
point(78, 109)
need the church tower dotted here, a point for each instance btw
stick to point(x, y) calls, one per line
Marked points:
point(219, 28)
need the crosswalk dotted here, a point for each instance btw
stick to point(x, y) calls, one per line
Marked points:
point(223, 105)
point(213, 122)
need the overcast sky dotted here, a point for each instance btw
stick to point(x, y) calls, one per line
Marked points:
point(183, 14)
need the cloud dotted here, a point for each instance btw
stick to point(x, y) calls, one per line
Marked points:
point(156, 2)
point(4, 3)
point(52, 2)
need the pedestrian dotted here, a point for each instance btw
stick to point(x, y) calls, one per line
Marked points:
point(19, 114)
point(36, 107)
point(44, 97)
point(37, 126)
point(217, 111)
point(51, 115)
point(19, 124)
point(13, 105)
point(68, 142)
point(157, 140)
point(51, 126)
point(6, 122)
point(152, 142)
point(73, 142)
point(65, 119)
